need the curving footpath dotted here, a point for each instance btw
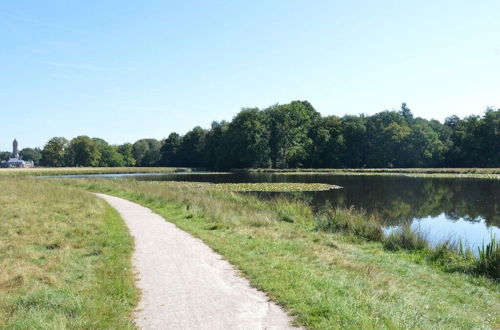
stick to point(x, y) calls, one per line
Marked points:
point(185, 285)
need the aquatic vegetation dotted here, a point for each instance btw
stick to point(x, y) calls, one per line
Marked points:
point(476, 173)
point(407, 238)
point(349, 220)
point(272, 187)
point(489, 259)
point(249, 187)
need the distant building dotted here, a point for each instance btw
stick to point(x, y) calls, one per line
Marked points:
point(15, 160)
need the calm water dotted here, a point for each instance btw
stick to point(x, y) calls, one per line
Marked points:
point(442, 208)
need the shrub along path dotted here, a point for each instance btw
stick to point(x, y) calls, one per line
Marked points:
point(185, 285)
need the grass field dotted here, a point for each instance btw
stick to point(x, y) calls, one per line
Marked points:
point(326, 280)
point(64, 259)
point(49, 171)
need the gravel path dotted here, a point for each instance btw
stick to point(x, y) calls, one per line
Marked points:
point(185, 285)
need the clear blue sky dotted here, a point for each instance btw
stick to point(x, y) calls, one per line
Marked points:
point(124, 70)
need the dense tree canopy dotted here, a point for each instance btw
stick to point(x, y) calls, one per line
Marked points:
point(33, 154)
point(54, 152)
point(296, 135)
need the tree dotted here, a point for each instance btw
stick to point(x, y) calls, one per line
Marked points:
point(31, 154)
point(289, 128)
point(126, 151)
point(168, 151)
point(355, 139)
point(110, 157)
point(4, 155)
point(328, 143)
point(190, 151)
point(213, 149)
point(247, 140)
point(54, 152)
point(146, 152)
point(83, 151)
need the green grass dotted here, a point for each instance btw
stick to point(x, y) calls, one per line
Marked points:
point(50, 171)
point(325, 279)
point(64, 259)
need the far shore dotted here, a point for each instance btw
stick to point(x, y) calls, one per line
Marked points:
point(478, 173)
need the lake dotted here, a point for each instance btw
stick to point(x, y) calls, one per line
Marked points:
point(442, 208)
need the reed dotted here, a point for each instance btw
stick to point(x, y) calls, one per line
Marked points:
point(488, 261)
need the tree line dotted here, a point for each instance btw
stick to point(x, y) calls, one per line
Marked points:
point(296, 135)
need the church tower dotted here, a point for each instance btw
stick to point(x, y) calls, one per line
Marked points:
point(15, 152)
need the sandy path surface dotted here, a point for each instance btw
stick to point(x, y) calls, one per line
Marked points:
point(185, 285)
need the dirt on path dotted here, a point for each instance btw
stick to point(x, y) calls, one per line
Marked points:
point(186, 285)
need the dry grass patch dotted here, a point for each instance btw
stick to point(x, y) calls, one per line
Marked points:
point(65, 259)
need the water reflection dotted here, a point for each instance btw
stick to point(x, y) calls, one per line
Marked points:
point(443, 208)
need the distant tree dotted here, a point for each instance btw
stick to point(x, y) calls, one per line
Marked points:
point(54, 152)
point(190, 152)
point(489, 138)
point(83, 151)
point(169, 150)
point(146, 152)
point(33, 154)
point(386, 134)
point(213, 153)
point(126, 151)
point(289, 132)
point(4, 155)
point(406, 113)
point(355, 138)
point(110, 157)
point(247, 140)
point(328, 143)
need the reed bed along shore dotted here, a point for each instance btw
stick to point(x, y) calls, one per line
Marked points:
point(329, 270)
point(477, 173)
point(64, 259)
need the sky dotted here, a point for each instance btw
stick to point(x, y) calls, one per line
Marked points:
point(125, 70)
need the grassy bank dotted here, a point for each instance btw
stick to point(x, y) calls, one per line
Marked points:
point(479, 173)
point(326, 280)
point(49, 171)
point(64, 259)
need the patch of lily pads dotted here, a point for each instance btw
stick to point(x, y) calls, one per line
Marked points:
point(255, 187)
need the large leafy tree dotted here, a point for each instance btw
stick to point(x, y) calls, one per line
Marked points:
point(190, 152)
point(54, 152)
point(289, 132)
point(147, 152)
point(168, 151)
point(126, 151)
point(327, 143)
point(248, 140)
point(83, 151)
point(110, 157)
point(214, 155)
